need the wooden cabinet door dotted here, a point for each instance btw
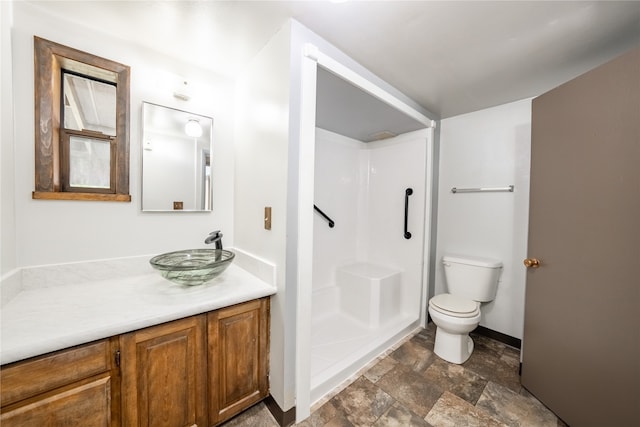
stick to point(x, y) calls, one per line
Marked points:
point(238, 340)
point(163, 372)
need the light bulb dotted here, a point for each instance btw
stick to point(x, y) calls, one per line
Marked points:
point(193, 128)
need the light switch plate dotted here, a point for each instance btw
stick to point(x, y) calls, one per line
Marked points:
point(267, 217)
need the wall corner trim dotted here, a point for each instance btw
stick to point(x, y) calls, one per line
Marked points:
point(311, 51)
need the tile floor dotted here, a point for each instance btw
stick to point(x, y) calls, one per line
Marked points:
point(413, 387)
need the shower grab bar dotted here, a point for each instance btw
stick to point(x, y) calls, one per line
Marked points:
point(407, 193)
point(483, 189)
point(324, 215)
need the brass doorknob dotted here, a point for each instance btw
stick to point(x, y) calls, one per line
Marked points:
point(532, 262)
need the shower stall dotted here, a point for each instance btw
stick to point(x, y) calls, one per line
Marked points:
point(368, 267)
point(363, 190)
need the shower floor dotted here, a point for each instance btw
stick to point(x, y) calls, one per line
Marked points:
point(342, 345)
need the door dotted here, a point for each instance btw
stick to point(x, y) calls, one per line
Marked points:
point(581, 346)
point(163, 375)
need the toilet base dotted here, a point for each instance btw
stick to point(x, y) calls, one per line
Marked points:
point(454, 348)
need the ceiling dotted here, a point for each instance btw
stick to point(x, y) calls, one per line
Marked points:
point(348, 110)
point(451, 57)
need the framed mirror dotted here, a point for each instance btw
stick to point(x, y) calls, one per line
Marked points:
point(176, 160)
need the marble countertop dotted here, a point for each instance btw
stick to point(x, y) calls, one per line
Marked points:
point(41, 320)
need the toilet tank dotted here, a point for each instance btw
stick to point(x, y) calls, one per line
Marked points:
point(475, 278)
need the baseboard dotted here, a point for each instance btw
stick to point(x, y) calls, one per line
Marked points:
point(284, 419)
point(499, 336)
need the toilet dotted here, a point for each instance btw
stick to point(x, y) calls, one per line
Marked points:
point(470, 281)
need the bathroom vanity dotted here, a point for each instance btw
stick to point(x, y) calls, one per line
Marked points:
point(155, 376)
point(194, 370)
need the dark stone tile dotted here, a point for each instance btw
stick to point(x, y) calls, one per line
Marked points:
point(456, 379)
point(487, 345)
point(340, 420)
point(511, 356)
point(511, 352)
point(431, 328)
point(450, 410)
point(256, 416)
point(525, 392)
point(399, 416)
point(410, 388)
point(414, 356)
point(426, 337)
point(515, 409)
point(362, 402)
point(489, 365)
point(378, 370)
point(321, 416)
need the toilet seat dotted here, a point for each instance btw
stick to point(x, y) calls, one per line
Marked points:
point(454, 305)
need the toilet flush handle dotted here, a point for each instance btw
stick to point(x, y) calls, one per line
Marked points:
point(532, 262)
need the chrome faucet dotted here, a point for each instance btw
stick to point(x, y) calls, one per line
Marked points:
point(214, 237)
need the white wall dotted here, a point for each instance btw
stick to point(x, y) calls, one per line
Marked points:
point(261, 165)
point(49, 232)
point(7, 179)
point(488, 148)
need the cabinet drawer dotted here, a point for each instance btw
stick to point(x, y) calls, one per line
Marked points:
point(85, 404)
point(21, 380)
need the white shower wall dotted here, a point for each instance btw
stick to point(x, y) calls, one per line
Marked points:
point(361, 186)
point(395, 165)
point(340, 162)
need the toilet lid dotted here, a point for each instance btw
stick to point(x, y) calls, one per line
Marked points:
point(456, 305)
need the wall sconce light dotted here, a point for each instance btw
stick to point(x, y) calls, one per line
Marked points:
point(193, 128)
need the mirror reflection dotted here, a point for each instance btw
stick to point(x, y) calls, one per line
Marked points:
point(176, 160)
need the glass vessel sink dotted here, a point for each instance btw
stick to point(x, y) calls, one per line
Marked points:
point(192, 266)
